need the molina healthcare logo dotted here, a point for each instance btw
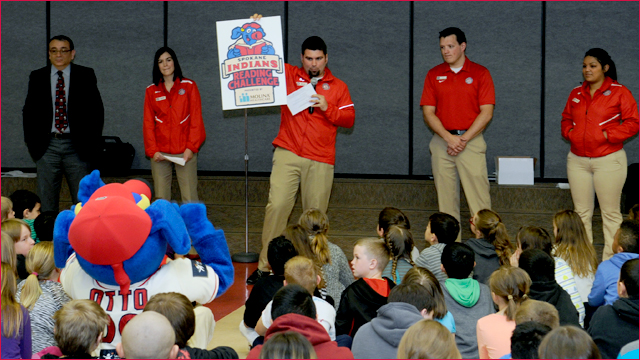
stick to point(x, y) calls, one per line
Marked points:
point(251, 61)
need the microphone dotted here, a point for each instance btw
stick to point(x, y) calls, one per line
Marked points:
point(314, 82)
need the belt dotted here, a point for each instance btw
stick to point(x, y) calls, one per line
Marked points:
point(457, 132)
point(56, 135)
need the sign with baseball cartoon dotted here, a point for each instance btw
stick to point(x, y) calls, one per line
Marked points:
point(251, 64)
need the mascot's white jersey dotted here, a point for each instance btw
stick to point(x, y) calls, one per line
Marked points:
point(193, 279)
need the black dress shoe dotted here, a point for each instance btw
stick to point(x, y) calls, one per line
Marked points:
point(253, 278)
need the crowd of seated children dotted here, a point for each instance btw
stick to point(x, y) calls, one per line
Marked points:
point(361, 300)
point(442, 229)
point(491, 244)
point(399, 240)
point(288, 345)
point(26, 206)
point(568, 342)
point(534, 237)
point(427, 339)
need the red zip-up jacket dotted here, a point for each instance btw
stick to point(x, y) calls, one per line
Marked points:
point(173, 120)
point(313, 136)
point(612, 109)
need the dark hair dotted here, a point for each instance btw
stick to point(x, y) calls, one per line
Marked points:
point(62, 38)
point(539, 265)
point(445, 227)
point(287, 345)
point(535, 237)
point(43, 225)
point(434, 298)
point(293, 299)
point(400, 243)
point(314, 43)
point(177, 71)
point(526, 338)
point(568, 342)
point(460, 37)
point(392, 216)
point(413, 294)
point(179, 311)
point(604, 59)
point(628, 238)
point(629, 277)
point(23, 200)
point(458, 260)
point(279, 252)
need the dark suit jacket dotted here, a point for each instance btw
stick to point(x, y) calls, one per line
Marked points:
point(85, 112)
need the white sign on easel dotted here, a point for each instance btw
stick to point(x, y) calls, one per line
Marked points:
point(251, 64)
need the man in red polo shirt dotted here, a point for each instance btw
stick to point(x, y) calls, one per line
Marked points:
point(457, 104)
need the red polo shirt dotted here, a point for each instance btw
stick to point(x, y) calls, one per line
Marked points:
point(458, 97)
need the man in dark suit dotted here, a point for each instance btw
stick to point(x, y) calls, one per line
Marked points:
point(63, 117)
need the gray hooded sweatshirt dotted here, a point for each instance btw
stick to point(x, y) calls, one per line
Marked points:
point(379, 338)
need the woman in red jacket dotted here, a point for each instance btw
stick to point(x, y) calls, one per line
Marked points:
point(172, 126)
point(599, 116)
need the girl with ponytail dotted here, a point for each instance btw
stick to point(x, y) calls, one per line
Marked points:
point(491, 245)
point(509, 288)
point(336, 271)
point(400, 243)
point(41, 294)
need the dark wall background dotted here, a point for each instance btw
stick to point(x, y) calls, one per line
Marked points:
point(382, 50)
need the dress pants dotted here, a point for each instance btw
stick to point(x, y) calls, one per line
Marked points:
point(205, 324)
point(289, 172)
point(602, 176)
point(469, 167)
point(61, 158)
point(187, 178)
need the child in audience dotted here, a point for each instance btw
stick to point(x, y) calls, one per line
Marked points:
point(391, 216)
point(42, 295)
point(43, 225)
point(532, 237)
point(427, 339)
point(335, 266)
point(361, 300)
point(630, 350)
point(20, 233)
point(435, 298)
point(400, 243)
point(179, 311)
point(293, 309)
point(633, 213)
point(540, 267)
point(625, 247)
point(509, 288)
point(568, 342)
point(466, 298)
point(491, 245)
point(80, 325)
point(16, 325)
point(525, 340)
point(7, 209)
point(287, 345)
point(148, 335)
point(8, 251)
point(280, 250)
point(538, 311)
point(442, 229)
point(302, 271)
point(27, 207)
point(613, 326)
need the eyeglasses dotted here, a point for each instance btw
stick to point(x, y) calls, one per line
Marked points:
point(61, 51)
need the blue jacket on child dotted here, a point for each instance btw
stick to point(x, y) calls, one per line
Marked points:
point(605, 284)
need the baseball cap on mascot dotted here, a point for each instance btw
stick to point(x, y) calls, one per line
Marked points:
point(110, 228)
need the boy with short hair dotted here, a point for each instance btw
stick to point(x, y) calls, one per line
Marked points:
point(148, 335)
point(467, 299)
point(613, 326)
point(442, 229)
point(526, 339)
point(26, 206)
point(538, 311)
point(361, 300)
point(625, 247)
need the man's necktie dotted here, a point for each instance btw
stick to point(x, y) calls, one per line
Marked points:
point(61, 105)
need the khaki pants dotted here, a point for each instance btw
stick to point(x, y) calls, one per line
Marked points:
point(288, 172)
point(187, 179)
point(602, 176)
point(205, 324)
point(469, 168)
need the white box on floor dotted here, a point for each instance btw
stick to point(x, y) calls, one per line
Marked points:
point(514, 170)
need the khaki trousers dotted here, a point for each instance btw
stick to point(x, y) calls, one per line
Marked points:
point(602, 176)
point(469, 168)
point(205, 324)
point(289, 172)
point(187, 178)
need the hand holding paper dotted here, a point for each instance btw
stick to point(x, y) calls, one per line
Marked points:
point(300, 99)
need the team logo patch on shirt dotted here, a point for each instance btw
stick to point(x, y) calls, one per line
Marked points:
point(576, 100)
point(468, 80)
point(441, 78)
point(607, 93)
point(325, 86)
point(199, 269)
point(181, 92)
point(161, 98)
point(301, 83)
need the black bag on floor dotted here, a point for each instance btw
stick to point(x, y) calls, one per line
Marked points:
point(115, 157)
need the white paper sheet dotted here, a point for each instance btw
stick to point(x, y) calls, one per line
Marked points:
point(174, 159)
point(300, 99)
